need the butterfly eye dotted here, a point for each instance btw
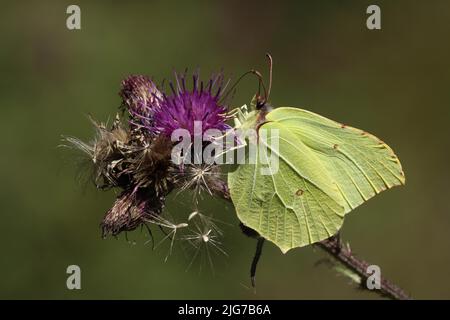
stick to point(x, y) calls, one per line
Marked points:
point(260, 102)
point(260, 105)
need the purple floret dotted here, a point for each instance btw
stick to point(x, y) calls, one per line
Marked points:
point(183, 107)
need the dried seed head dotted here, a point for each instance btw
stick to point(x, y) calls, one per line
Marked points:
point(109, 141)
point(126, 158)
point(131, 209)
point(150, 168)
point(197, 177)
point(109, 149)
point(106, 152)
point(206, 237)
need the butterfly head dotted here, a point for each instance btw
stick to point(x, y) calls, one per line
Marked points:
point(262, 104)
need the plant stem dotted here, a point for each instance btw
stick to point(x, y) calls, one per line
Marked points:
point(346, 257)
point(340, 253)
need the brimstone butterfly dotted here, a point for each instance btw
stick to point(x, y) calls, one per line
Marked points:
point(325, 169)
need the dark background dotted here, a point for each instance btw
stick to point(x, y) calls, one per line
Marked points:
point(392, 82)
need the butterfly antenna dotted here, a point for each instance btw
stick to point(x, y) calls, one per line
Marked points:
point(259, 88)
point(269, 57)
point(255, 261)
point(235, 84)
point(260, 84)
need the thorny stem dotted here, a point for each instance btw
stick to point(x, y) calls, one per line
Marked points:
point(340, 253)
point(344, 255)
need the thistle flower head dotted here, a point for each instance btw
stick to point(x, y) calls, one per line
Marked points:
point(137, 158)
point(183, 107)
point(140, 97)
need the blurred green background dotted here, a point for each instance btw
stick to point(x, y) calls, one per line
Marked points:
point(392, 82)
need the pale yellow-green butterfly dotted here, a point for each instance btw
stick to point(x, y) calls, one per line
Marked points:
point(325, 169)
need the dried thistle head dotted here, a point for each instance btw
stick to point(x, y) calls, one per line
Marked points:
point(150, 167)
point(131, 209)
point(109, 141)
point(105, 152)
point(140, 96)
point(126, 158)
point(109, 148)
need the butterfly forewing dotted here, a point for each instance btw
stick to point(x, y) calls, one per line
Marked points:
point(360, 164)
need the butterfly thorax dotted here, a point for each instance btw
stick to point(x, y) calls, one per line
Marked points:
point(254, 118)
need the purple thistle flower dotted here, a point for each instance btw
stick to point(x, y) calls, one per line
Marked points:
point(183, 107)
point(140, 97)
